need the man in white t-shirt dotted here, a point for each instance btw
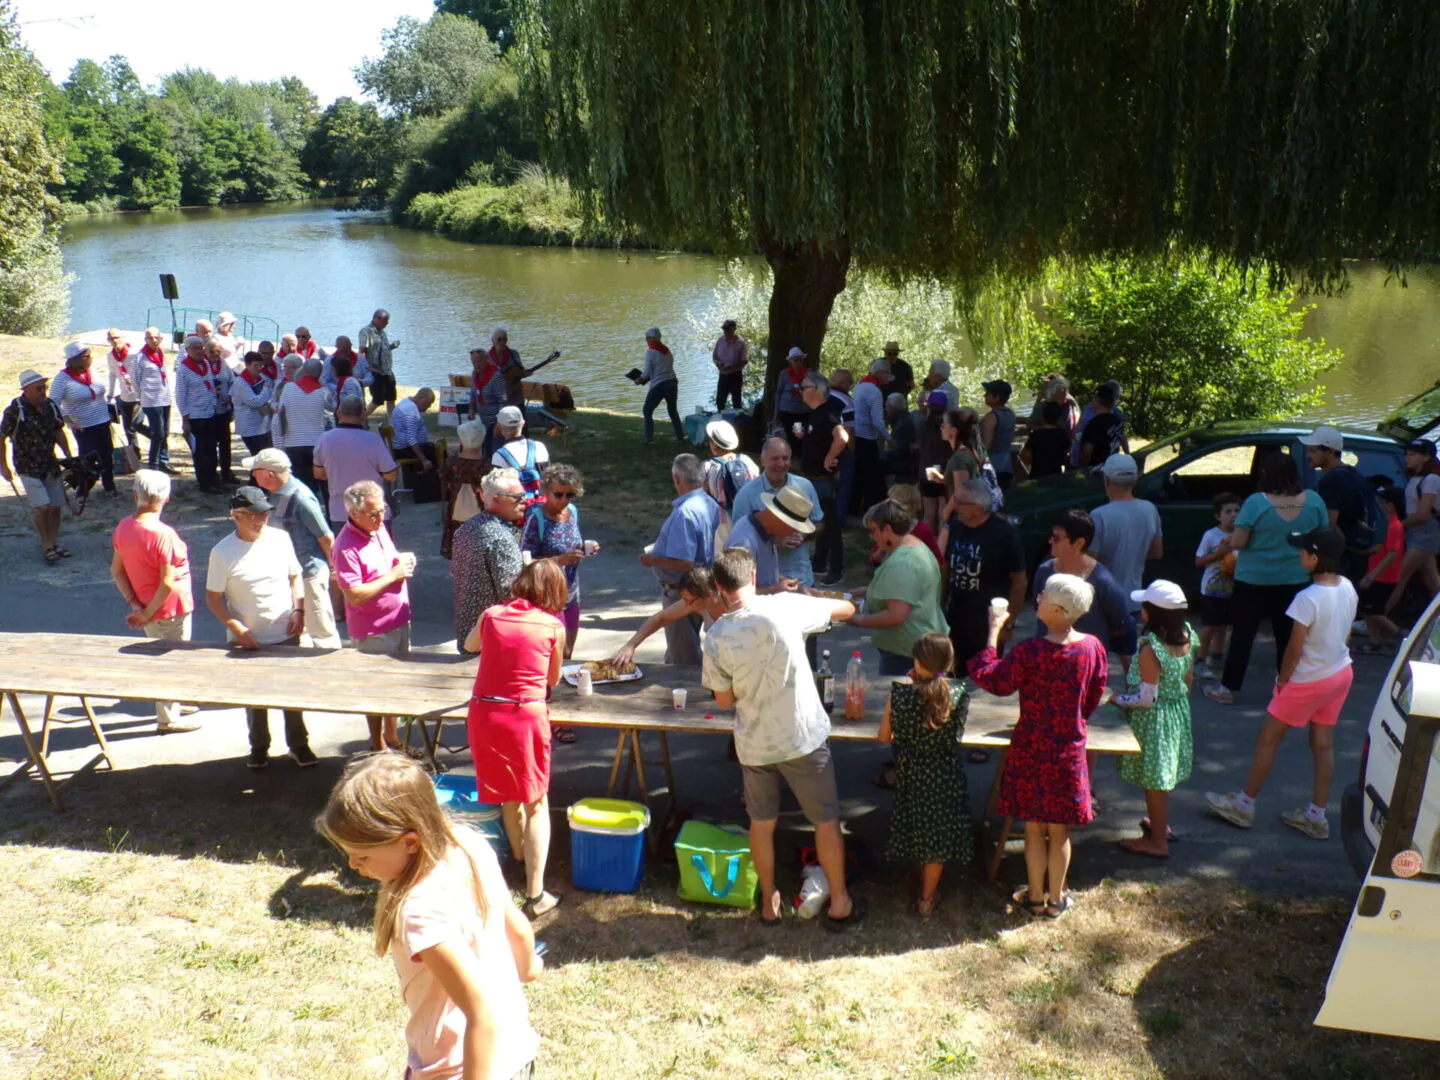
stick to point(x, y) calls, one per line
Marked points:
point(1315, 678)
point(754, 660)
point(254, 588)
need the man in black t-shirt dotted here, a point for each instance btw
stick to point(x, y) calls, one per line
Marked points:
point(1354, 507)
point(822, 446)
point(1105, 433)
point(1047, 450)
point(984, 558)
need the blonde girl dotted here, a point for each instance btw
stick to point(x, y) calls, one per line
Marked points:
point(461, 948)
point(925, 718)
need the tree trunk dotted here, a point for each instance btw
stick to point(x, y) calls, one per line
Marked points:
point(807, 280)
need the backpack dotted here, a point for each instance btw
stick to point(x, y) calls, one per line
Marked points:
point(1366, 535)
point(734, 474)
point(538, 513)
point(529, 473)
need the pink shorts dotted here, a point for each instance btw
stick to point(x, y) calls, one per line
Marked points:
point(1301, 703)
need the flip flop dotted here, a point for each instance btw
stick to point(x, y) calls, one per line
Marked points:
point(528, 908)
point(858, 910)
point(1170, 836)
point(769, 923)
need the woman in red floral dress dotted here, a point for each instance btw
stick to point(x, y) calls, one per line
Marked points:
point(1060, 678)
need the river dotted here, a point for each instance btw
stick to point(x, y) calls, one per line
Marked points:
point(309, 264)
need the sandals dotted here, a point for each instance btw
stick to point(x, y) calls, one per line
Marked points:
point(52, 555)
point(858, 910)
point(62, 552)
point(562, 735)
point(530, 909)
point(1170, 836)
point(1020, 898)
point(1054, 911)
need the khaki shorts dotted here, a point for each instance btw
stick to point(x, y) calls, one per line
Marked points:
point(394, 643)
point(42, 493)
point(811, 778)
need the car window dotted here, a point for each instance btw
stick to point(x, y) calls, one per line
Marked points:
point(1426, 650)
point(1159, 454)
point(1370, 463)
point(1228, 468)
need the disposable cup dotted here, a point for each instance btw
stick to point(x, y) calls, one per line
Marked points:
point(999, 603)
point(677, 698)
point(591, 547)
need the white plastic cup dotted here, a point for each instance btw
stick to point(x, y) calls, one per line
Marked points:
point(649, 549)
point(798, 429)
point(584, 683)
point(1000, 604)
point(408, 560)
point(934, 475)
point(677, 698)
point(526, 558)
point(591, 547)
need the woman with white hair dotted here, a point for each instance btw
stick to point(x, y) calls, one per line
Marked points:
point(302, 410)
point(659, 374)
point(151, 568)
point(485, 551)
point(1060, 679)
point(460, 478)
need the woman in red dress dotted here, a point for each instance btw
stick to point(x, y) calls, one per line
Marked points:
point(521, 645)
point(1060, 678)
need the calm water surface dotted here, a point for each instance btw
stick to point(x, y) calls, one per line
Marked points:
point(309, 264)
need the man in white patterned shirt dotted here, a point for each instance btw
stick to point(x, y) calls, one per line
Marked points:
point(754, 660)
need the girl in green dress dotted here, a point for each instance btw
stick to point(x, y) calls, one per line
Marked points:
point(924, 718)
point(1157, 706)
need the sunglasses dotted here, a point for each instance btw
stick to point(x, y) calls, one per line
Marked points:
point(513, 498)
point(563, 494)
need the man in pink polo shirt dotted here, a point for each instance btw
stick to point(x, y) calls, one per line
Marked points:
point(372, 575)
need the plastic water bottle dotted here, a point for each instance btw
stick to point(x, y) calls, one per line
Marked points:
point(855, 688)
point(825, 682)
point(814, 892)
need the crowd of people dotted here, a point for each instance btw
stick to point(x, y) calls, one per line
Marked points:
point(737, 561)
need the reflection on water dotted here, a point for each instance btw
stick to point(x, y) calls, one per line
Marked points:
point(309, 264)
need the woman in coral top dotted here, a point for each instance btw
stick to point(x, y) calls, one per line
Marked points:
point(521, 645)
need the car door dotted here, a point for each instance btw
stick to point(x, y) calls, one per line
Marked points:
point(1384, 973)
point(1184, 489)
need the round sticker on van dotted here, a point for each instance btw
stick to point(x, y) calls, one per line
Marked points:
point(1406, 864)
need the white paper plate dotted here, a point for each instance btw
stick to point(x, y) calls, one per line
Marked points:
point(571, 674)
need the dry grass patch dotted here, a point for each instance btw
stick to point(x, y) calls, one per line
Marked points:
point(118, 965)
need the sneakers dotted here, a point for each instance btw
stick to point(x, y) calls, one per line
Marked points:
point(1223, 807)
point(258, 759)
point(1220, 695)
point(1301, 822)
point(304, 757)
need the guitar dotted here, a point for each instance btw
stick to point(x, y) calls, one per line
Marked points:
point(515, 374)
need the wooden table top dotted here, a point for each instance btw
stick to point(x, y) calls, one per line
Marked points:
point(429, 685)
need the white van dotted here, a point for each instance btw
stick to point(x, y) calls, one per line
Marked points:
point(1390, 821)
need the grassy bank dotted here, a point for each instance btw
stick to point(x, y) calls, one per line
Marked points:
point(534, 210)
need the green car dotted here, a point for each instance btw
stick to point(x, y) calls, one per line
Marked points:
point(1182, 474)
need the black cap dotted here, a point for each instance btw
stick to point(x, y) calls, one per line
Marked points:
point(1324, 541)
point(1106, 395)
point(1422, 446)
point(998, 388)
point(250, 498)
point(728, 324)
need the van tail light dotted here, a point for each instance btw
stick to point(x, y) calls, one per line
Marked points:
point(1364, 761)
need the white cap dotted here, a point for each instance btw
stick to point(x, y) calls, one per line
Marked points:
point(223, 318)
point(510, 416)
point(75, 348)
point(1120, 467)
point(1163, 594)
point(794, 352)
point(1326, 435)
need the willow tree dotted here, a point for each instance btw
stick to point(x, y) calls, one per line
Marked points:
point(969, 137)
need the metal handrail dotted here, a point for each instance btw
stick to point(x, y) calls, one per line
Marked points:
point(183, 319)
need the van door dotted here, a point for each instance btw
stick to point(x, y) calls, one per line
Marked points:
point(1383, 977)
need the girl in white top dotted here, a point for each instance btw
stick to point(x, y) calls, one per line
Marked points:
point(460, 946)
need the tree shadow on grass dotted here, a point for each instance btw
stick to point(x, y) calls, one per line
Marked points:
point(1240, 1001)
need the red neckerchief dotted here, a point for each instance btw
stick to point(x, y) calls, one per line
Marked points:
point(794, 376)
point(308, 384)
point(308, 351)
point(86, 378)
point(199, 367)
point(282, 353)
point(158, 359)
point(352, 356)
point(658, 346)
point(120, 356)
point(271, 370)
point(252, 380)
point(871, 379)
